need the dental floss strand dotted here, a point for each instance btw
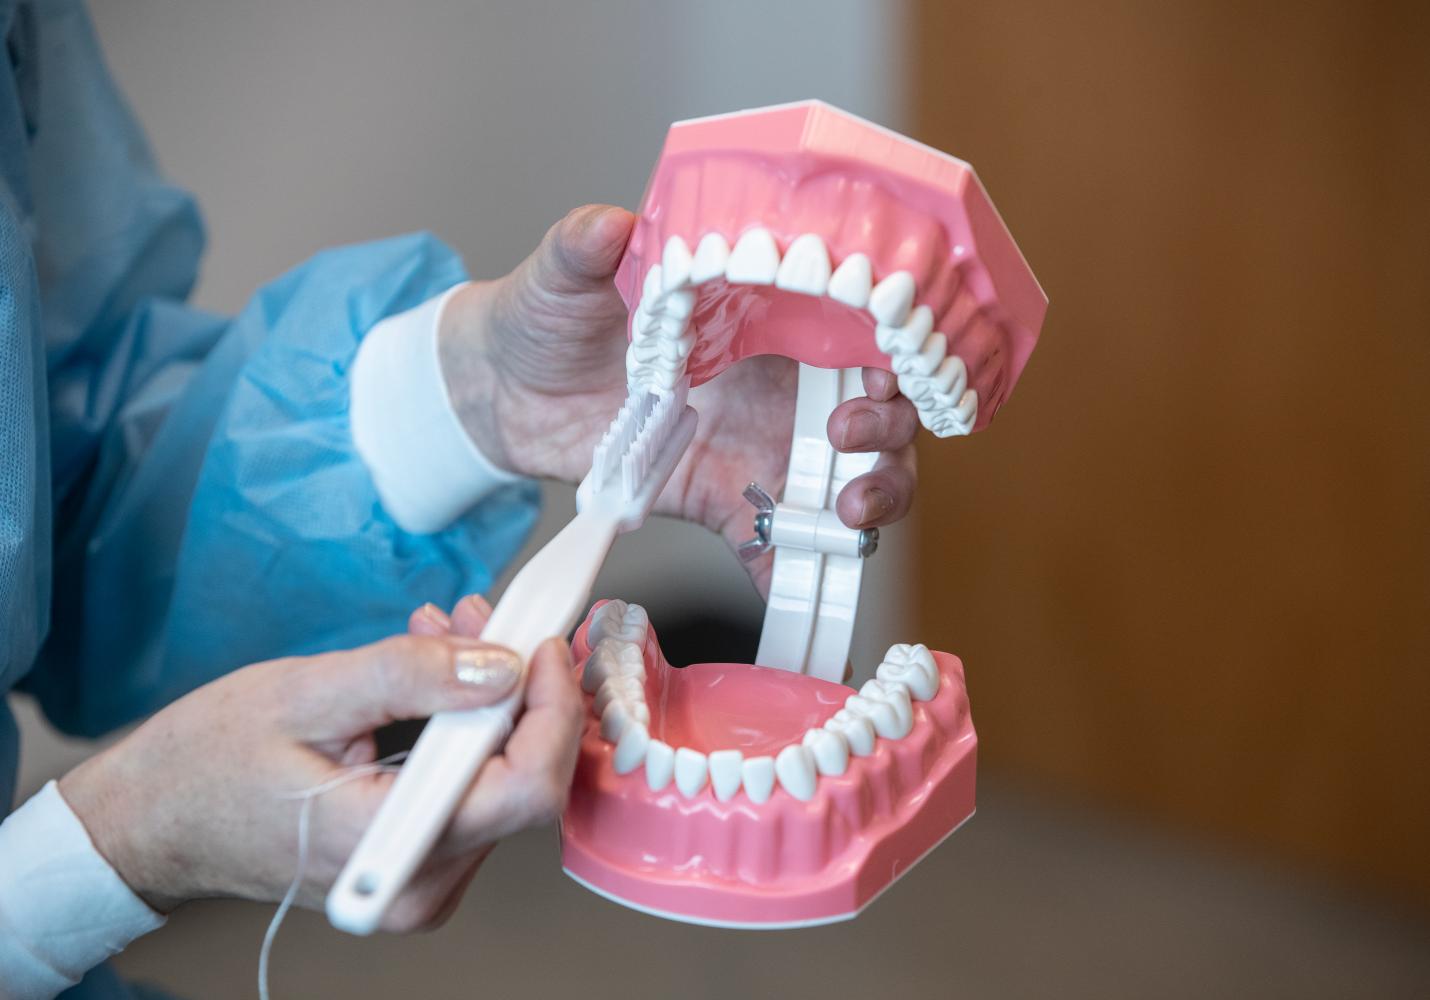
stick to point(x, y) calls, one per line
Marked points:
point(305, 813)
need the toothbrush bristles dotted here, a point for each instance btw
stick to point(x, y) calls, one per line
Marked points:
point(634, 440)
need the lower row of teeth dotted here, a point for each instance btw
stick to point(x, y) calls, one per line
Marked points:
point(933, 379)
point(615, 674)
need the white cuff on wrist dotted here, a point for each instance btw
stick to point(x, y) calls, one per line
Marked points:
point(427, 469)
point(63, 908)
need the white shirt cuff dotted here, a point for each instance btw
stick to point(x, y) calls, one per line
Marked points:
point(63, 908)
point(427, 469)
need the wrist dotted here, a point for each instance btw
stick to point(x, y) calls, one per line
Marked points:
point(115, 814)
point(471, 374)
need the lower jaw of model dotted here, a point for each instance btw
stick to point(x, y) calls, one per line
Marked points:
point(743, 796)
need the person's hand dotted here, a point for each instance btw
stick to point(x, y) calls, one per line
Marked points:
point(197, 801)
point(535, 364)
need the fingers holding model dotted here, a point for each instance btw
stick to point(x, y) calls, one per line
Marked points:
point(200, 800)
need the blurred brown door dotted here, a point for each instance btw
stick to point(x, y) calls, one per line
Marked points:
point(1188, 567)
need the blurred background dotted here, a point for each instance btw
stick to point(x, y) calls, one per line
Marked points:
point(1188, 568)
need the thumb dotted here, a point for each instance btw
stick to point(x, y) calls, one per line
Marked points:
point(341, 695)
point(582, 250)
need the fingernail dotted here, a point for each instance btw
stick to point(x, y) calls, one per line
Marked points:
point(860, 430)
point(877, 503)
point(487, 667)
point(436, 615)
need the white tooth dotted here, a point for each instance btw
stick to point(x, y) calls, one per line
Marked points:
point(805, 268)
point(675, 262)
point(678, 304)
point(614, 721)
point(725, 768)
point(929, 357)
point(912, 666)
point(659, 765)
point(612, 658)
point(631, 749)
point(831, 753)
point(652, 288)
point(674, 327)
point(636, 617)
point(636, 709)
point(611, 611)
point(892, 298)
point(852, 280)
point(967, 408)
point(890, 711)
point(618, 689)
point(857, 731)
point(758, 775)
point(942, 423)
point(754, 260)
point(691, 769)
point(795, 768)
point(906, 339)
point(939, 390)
point(710, 258)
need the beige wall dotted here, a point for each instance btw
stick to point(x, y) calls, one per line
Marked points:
point(1191, 564)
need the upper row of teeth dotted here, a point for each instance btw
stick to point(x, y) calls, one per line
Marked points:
point(935, 380)
point(615, 674)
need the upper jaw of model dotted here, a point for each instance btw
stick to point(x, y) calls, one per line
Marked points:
point(808, 232)
point(625, 673)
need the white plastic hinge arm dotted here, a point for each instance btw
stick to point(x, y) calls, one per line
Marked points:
point(819, 562)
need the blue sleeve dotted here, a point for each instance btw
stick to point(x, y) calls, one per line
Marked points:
point(208, 507)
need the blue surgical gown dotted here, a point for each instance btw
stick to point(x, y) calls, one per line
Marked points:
point(179, 494)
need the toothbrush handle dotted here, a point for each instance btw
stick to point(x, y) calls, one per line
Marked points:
point(543, 600)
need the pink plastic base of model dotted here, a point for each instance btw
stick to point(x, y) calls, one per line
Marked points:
point(783, 862)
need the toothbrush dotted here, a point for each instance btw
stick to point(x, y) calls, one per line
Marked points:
point(629, 468)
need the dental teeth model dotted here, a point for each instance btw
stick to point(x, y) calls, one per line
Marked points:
point(773, 795)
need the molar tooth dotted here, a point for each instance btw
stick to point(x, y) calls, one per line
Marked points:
point(891, 711)
point(631, 749)
point(710, 258)
point(942, 423)
point(912, 666)
point(725, 771)
point(939, 390)
point(618, 689)
point(758, 775)
point(857, 731)
point(852, 281)
point(805, 268)
point(892, 298)
point(755, 259)
point(795, 768)
point(659, 765)
point(831, 752)
point(967, 408)
point(928, 358)
point(610, 612)
point(679, 304)
point(879, 714)
point(691, 770)
point(614, 721)
point(675, 262)
point(613, 657)
point(909, 337)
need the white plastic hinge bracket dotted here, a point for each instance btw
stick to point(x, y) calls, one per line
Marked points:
point(818, 561)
